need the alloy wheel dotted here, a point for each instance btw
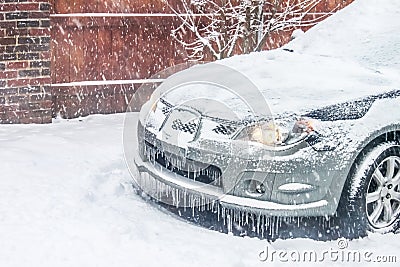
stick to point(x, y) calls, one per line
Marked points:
point(383, 193)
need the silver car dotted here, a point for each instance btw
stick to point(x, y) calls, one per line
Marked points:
point(309, 130)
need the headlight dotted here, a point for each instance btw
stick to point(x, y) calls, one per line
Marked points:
point(277, 132)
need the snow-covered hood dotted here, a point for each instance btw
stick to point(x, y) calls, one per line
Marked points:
point(275, 82)
point(341, 59)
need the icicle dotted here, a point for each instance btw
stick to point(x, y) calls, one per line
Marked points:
point(270, 224)
point(177, 198)
point(192, 206)
point(184, 199)
point(230, 221)
point(223, 215)
point(258, 224)
point(173, 197)
point(262, 225)
point(253, 217)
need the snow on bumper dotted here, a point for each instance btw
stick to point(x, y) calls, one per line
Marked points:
point(166, 186)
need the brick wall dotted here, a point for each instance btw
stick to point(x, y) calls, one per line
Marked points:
point(25, 92)
point(133, 43)
point(84, 48)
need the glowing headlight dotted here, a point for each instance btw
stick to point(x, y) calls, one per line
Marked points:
point(277, 132)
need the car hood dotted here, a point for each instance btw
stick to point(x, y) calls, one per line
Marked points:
point(351, 55)
point(274, 83)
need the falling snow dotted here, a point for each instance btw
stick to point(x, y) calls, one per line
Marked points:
point(67, 197)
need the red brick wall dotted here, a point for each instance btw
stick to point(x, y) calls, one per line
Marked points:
point(85, 47)
point(89, 47)
point(25, 61)
point(94, 48)
point(111, 48)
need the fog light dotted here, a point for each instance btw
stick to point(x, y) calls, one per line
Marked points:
point(255, 188)
point(295, 188)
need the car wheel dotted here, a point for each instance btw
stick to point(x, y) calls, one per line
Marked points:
point(371, 196)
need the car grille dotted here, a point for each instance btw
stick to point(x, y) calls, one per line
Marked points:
point(167, 107)
point(189, 127)
point(225, 129)
point(196, 171)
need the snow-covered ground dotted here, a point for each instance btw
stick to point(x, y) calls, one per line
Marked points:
point(66, 200)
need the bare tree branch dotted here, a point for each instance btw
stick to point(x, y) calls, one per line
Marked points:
point(222, 28)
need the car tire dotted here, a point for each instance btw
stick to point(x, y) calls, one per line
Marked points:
point(371, 195)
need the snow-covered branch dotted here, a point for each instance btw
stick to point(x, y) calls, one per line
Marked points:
point(216, 29)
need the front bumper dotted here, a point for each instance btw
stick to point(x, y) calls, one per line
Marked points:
point(311, 167)
point(159, 183)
